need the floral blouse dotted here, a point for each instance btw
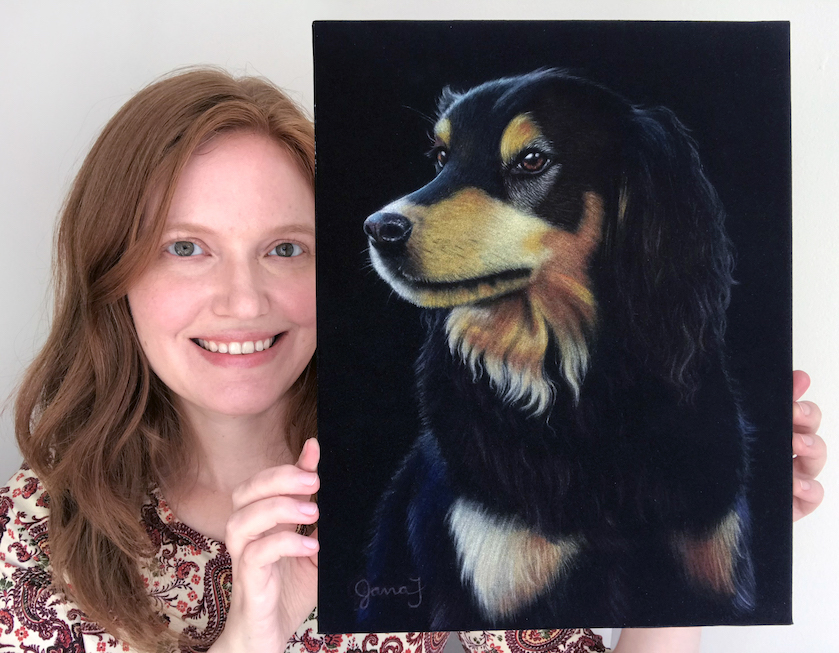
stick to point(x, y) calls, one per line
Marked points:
point(189, 580)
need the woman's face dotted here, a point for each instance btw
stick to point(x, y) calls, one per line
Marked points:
point(226, 312)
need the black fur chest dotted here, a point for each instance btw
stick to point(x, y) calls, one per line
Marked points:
point(624, 457)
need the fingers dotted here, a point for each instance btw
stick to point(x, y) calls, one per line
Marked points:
point(271, 548)
point(314, 535)
point(283, 480)
point(807, 494)
point(810, 455)
point(255, 520)
point(800, 383)
point(810, 450)
point(309, 459)
point(806, 417)
point(275, 497)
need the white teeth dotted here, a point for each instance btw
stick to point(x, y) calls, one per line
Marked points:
point(236, 348)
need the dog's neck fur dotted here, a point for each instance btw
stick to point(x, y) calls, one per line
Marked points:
point(509, 337)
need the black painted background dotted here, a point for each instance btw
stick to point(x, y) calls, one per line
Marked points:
point(376, 84)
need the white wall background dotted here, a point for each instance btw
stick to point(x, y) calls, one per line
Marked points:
point(65, 67)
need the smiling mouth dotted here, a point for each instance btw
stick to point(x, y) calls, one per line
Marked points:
point(237, 348)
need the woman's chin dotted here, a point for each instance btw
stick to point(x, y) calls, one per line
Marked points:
point(236, 403)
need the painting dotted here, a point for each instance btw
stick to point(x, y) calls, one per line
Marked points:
point(554, 324)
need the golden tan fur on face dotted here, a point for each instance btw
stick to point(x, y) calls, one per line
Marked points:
point(459, 244)
point(508, 337)
point(443, 130)
point(513, 280)
point(522, 132)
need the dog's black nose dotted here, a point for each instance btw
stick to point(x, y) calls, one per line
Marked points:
point(388, 229)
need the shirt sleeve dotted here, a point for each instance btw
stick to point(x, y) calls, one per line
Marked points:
point(566, 640)
point(33, 615)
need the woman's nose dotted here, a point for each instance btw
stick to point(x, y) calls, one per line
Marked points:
point(241, 291)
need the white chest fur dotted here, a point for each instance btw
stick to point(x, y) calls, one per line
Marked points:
point(506, 565)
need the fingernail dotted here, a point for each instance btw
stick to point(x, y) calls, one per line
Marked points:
point(805, 407)
point(805, 485)
point(310, 543)
point(307, 508)
point(306, 445)
point(808, 440)
point(308, 478)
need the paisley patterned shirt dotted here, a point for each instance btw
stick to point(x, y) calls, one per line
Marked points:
point(189, 581)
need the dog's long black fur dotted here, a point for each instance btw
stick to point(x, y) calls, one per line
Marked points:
point(637, 455)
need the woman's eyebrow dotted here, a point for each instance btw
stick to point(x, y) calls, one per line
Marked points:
point(298, 227)
point(194, 227)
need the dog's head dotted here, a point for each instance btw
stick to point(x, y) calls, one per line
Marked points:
point(522, 167)
point(550, 192)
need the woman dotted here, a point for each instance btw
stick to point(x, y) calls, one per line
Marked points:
point(210, 238)
point(181, 365)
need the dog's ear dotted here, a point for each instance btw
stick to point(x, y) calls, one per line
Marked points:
point(447, 98)
point(670, 254)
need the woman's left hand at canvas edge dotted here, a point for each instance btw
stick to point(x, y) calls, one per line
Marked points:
point(809, 448)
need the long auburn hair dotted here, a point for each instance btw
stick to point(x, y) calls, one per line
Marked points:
point(91, 418)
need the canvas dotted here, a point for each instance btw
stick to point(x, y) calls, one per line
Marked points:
point(554, 324)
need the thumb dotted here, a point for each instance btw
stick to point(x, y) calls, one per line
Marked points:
point(309, 456)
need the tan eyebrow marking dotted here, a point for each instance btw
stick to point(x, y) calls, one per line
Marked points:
point(443, 131)
point(520, 133)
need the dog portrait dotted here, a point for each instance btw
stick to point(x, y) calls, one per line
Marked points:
point(584, 446)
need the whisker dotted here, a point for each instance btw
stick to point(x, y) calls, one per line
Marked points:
point(427, 118)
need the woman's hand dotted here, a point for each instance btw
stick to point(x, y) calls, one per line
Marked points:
point(275, 569)
point(809, 449)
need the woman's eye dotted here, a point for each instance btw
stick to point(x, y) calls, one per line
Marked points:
point(287, 250)
point(184, 248)
point(442, 157)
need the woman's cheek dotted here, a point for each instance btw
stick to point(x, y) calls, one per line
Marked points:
point(162, 305)
point(298, 297)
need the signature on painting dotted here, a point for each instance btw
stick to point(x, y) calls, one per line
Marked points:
point(412, 591)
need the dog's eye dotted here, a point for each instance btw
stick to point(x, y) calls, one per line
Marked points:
point(532, 162)
point(442, 157)
point(439, 154)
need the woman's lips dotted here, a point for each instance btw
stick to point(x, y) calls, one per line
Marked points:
point(239, 354)
point(235, 348)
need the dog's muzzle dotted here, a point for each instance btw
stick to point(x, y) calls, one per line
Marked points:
point(388, 232)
